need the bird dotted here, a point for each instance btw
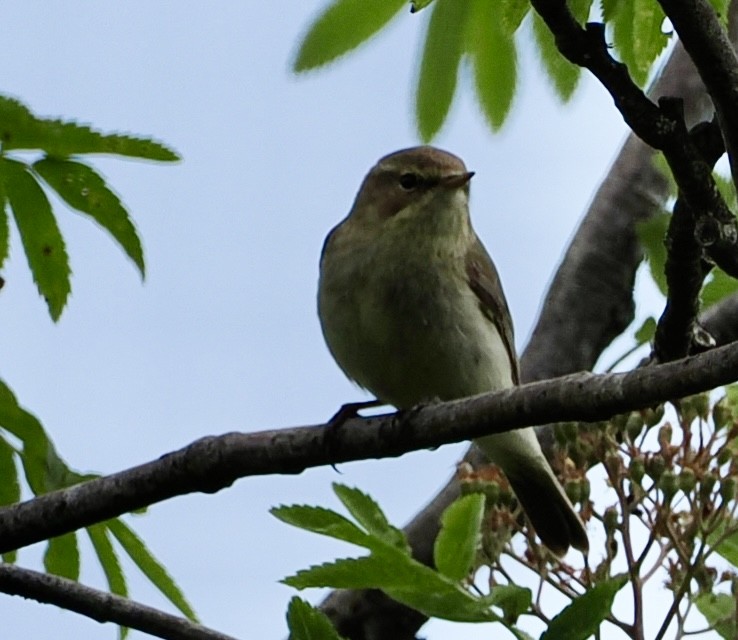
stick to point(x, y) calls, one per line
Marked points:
point(412, 309)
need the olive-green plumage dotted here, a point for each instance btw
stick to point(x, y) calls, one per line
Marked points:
point(412, 309)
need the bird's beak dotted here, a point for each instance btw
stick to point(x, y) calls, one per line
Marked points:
point(456, 180)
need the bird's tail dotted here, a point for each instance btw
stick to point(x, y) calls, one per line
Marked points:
point(537, 489)
point(550, 511)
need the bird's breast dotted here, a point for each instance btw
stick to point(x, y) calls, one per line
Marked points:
point(408, 327)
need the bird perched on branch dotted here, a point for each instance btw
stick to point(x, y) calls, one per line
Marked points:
point(412, 309)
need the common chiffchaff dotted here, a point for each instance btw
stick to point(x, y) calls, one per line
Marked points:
point(412, 309)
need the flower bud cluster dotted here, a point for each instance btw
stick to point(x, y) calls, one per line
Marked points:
point(671, 471)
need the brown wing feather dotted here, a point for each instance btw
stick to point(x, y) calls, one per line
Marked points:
point(485, 283)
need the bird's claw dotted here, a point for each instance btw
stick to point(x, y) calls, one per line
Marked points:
point(344, 414)
point(350, 410)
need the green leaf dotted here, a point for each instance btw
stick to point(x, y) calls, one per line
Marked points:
point(637, 34)
point(513, 600)
point(652, 233)
point(44, 469)
point(608, 7)
point(719, 611)
point(563, 74)
point(403, 579)
point(457, 606)
point(10, 492)
point(439, 67)
point(649, 40)
point(646, 332)
point(368, 514)
point(106, 554)
point(390, 566)
point(322, 521)
point(150, 566)
point(495, 61)
point(512, 13)
point(62, 556)
point(583, 616)
point(353, 573)
point(20, 129)
point(520, 635)
point(4, 228)
point(721, 8)
point(108, 558)
point(662, 166)
point(456, 544)
point(731, 396)
point(727, 546)
point(83, 189)
point(720, 286)
point(580, 9)
point(40, 235)
point(418, 5)
point(308, 623)
point(343, 26)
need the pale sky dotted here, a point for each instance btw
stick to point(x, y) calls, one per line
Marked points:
point(223, 335)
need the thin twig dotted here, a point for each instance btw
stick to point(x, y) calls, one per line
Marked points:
point(664, 551)
point(635, 580)
point(559, 586)
point(683, 588)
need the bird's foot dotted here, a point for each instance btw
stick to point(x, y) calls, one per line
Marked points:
point(350, 410)
point(344, 414)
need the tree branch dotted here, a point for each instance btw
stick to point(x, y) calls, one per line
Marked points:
point(685, 273)
point(663, 126)
point(713, 54)
point(688, 241)
point(215, 462)
point(590, 300)
point(100, 606)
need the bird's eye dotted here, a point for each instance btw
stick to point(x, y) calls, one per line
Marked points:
point(409, 181)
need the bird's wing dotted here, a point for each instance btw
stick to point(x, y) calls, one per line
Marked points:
point(485, 283)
